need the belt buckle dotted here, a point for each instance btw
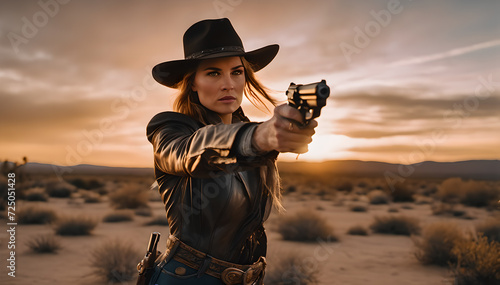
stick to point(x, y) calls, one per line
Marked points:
point(232, 276)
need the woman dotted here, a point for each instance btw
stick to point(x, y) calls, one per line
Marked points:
point(216, 169)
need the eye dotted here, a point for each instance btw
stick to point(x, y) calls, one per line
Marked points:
point(213, 73)
point(238, 72)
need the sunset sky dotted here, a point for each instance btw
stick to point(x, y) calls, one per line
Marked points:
point(410, 80)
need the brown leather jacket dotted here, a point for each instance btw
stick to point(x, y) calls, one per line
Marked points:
point(209, 179)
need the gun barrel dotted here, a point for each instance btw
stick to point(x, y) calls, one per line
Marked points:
point(318, 88)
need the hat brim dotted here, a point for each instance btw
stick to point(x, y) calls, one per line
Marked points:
point(170, 73)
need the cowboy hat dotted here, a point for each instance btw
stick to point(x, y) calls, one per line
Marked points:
point(210, 39)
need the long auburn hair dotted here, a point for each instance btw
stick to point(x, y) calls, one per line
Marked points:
point(188, 103)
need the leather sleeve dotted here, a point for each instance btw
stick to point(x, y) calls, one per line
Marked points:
point(183, 147)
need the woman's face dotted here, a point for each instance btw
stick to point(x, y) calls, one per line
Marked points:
point(220, 83)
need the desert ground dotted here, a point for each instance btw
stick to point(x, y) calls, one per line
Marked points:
point(375, 258)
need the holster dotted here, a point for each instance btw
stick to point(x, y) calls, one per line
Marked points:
point(146, 267)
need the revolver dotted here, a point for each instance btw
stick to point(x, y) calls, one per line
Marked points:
point(308, 98)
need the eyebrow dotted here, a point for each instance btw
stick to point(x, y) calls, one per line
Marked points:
point(218, 69)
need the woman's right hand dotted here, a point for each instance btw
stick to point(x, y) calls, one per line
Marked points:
point(280, 133)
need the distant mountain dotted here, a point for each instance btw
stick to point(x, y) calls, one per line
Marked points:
point(472, 169)
point(85, 169)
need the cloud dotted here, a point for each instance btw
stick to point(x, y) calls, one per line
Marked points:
point(385, 112)
point(447, 54)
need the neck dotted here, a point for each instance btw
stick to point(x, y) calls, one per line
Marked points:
point(226, 118)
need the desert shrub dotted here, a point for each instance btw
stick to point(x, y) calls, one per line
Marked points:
point(44, 244)
point(362, 184)
point(478, 262)
point(144, 211)
point(118, 216)
point(358, 208)
point(436, 244)
point(490, 229)
point(402, 192)
point(422, 200)
point(75, 226)
point(35, 215)
point(115, 261)
point(59, 189)
point(471, 193)
point(378, 197)
point(344, 185)
point(306, 226)
point(446, 209)
point(291, 269)
point(396, 225)
point(290, 189)
point(3, 187)
point(91, 197)
point(392, 209)
point(129, 197)
point(87, 184)
point(36, 194)
point(450, 190)
point(478, 194)
point(158, 220)
point(358, 231)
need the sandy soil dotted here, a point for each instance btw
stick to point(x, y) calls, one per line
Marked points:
point(374, 259)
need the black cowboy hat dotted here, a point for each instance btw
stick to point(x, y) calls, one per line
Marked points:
point(210, 39)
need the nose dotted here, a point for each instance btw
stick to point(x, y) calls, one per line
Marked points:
point(227, 83)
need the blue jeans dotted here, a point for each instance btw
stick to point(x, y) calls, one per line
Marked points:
point(167, 276)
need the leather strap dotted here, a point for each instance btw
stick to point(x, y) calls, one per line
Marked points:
point(230, 273)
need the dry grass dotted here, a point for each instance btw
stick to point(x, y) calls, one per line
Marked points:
point(290, 269)
point(144, 211)
point(36, 194)
point(490, 229)
point(91, 197)
point(160, 220)
point(436, 244)
point(59, 189)
point(396, 225)
point(118, 216)
point(479, 194)
point(450, 190)
point(306, 226)
point(357, 231)
point(44, 244)
point(129, 197)
point(358, 208)
point(75, 226)
point(478, 262)
point(87, 184)
point(378, 197)
point(471, 193)
point(36, 215)
point(402, 192)
point(115, 261)
point(446, 209)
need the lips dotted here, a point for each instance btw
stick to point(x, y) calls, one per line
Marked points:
point(227, 99)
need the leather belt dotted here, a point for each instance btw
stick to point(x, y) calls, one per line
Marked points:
point(230, 273)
